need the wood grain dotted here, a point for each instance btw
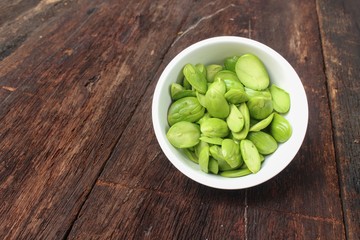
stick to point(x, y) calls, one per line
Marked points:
point(340, 32)
point(78, 96)
point(313, 171)
point(298, 199)
point(78, 155)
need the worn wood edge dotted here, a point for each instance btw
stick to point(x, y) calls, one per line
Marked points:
point(89, 88)
point(99, 181)
point(305, 216)
point(269, 224)
point(175, 47)
point(194, 216)
point(318, 183)
point(339, 29)
point(29, 17)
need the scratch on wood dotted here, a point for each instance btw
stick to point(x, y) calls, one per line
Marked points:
point(8, 88)
point(91, 82)
point(131, 189)
point(44, 3)
point(308, 217)
point(69, 52)
point(182, 33)
point(245, 215)
point(250, 28)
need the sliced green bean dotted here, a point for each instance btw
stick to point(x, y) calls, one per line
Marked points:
point(236, 96)
point(185, 109)
point(211, 71)
point(264, 142)
point(250, 155)
point(204, 158)
point(280, 128)
point(252, 72)
point(230, 63)
point(212, 140)
point(243, 133)
point(231, 152)
point(183, 134)
point(195, 78)
point(214, 127)
point(235, 120)
point(235, 173)
point(262, 124)
point(281, 99)
point(191, 155)
point(213, 166)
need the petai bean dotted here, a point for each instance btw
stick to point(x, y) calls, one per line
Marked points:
point(226, 117)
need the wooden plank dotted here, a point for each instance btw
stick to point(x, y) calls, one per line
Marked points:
point(140, 213)
point(9, 9)
point(20, 19)
point(304, 199)
point(269, 224)
point(61, 123)
point(308, 188)
point(340, 33)
point(137, 165)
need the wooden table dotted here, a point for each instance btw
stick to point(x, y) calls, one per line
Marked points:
point(78, 155)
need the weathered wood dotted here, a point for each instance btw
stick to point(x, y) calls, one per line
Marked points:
point(10, 9)
point(20, 19)
point(340, 33)
point(76, 89)
point(78, 156)
point(311, 179)
point(306, 202)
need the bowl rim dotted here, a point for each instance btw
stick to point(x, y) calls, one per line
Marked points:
point(208, 179)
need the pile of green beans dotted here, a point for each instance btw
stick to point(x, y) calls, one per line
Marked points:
point(228, 117)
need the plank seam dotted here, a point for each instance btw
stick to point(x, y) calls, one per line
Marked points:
point(96, 180)
point(338, 169)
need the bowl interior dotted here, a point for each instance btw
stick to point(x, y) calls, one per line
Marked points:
point(215, 50)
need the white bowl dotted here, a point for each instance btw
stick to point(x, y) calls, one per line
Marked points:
point(215, 50)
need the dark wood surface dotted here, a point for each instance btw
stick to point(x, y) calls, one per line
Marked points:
point(78, 155)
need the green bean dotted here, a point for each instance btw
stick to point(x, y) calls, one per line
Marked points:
point(213, 166)
point(262, 124)
point(280, 128)
point(178, 91)
point(231, 152)
point(230, 79)
point(264, 142)
point(243, 133)
point(235, 120)
point(215, 100)
point(195, 78)
point(236, 96)
point(211, 140)
point(230, 63)
point(250, 155)
point(191, 155)
point(214, 127)
point(235, 173)
point(185, 109)
point(211, 71)
point(183, 134)
point(280, 98)
point(260, 107)
point(204, 156)
point(252, 72)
